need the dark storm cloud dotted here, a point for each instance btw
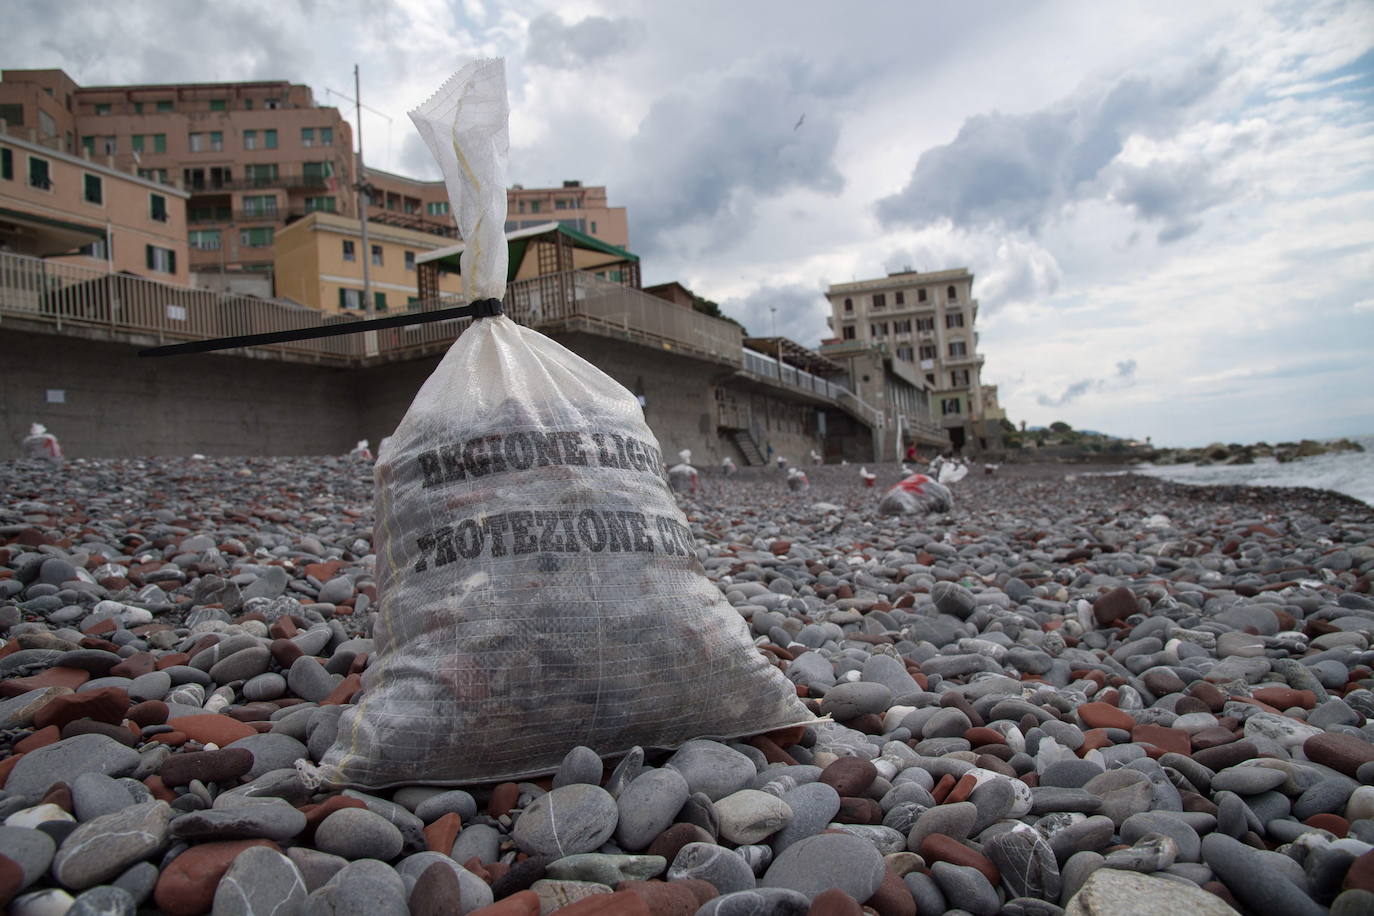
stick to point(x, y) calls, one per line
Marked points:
point(1123, 378)
point(563, 46)
point(705, 155)
point(1017, 171)
point(1170, 192)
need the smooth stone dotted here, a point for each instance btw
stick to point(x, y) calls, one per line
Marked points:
point(726, 871)
point(1152, 852)
point(648, 806)
point(474, 893)
point(1112, 892)
point(31, 849)
point(105, 900)
point(818, 863)
point(712, 768)
point(1254, 883)
point(967, 886)
point(67, 760)
point(1248, 780)
point(309, 680)
point(271, 752)
point(260, 881)
point(455, 801)
point(270, 819)
point(480, 841)
point(762, 901)
point(95, 794)
point(101, 848)
point(366, 887)
point(267, 686)
point(813, 806)
point(750, 816)
point(1026, 863)
point(569, 820)
point(605, 868)
point(357, 833)
point(1184, 836)
point(953, 820)
point(579, 765)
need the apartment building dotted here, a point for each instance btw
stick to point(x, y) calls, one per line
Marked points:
point(249, 155)
point(83, 211)
point(925, 324)
point(319, 263)
point(424, 205)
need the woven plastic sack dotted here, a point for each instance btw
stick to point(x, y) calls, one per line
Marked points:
point(538, 586)
point(682, 477)
point(727, 465)
point(797, 479)
point(916, 495)
point(41, 444)
point(361, 451)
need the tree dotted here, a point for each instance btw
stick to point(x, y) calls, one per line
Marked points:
point(1060, 426)
point(707, 307)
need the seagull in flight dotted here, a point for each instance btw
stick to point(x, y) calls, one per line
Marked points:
point(799, 122)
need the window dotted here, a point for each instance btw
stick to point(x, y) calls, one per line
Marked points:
point(349, 253)
point(319, 205)
point(136, 143)
point(593, 227)
point(158, 175)
point(204, 239)
point(326, 136)
point(103, 108)
point(269, 139)
point(880, 300)
point(272, 103)
point(849, 305)
point(98, 249)
point(950, 294)
point(958, 348)
point(410, 260)
point(13, 115)
point(218, 105)
point(954, 320)
point(920, 295)
point(930, 379)
point(437, 208)
point(560, 204)
point(161, 260)
point(379, 301)
point(164, 106)
point(94, 192)
point(904, 353)
point(412, 303)
point(376, 255)
point(159, 143)
point(950, 405)
point(847, 332)
point(138, 108)
point(260, 205)
point(317, 172)
point(393, 201)
point(927, 351)
point(262, 173)
point(257, 237)
point(39, 174)
point(958, 378)
point(350, 299)
point(534, 206)
point(250, 139)
point(47, 126)
point(410, 205)
point(879, 329)
point(307, 136)
point(157, 207)
point(899, 297)
point(247, 104)
point(902, 327)
point(6, 163)
point(925, 324)
point(195, 142)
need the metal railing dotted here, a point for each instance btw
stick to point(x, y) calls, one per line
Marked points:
point(768, 367)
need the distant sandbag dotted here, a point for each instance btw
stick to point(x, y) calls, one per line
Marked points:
point(916, 495)
point(42, 445)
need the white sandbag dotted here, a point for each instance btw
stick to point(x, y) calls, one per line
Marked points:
point(683, 478)
point(728, 466)
point(916, 495)
point(797, 480)
point(361, 452)
point(42, 445)
point(539, 588)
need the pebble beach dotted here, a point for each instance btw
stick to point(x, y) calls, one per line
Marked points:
point(1072, 693)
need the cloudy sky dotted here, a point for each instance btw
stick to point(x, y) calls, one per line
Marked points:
point(1168, 206)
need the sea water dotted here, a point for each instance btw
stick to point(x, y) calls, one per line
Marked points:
point(1351, 473)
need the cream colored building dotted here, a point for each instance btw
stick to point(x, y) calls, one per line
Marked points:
point(925, 322)
point(71, 209)
point(319, 264)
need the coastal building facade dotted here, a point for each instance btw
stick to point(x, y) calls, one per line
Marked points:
point(83, 211)
point(923, 325)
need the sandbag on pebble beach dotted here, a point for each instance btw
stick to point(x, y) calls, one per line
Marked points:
point(539, 586)
point(917, 494)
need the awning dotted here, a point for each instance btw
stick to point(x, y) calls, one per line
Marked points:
point(519, 241)
point(794, 354)
point(42, 236)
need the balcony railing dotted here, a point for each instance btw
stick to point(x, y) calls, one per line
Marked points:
point(769, 368)
point(248, 184)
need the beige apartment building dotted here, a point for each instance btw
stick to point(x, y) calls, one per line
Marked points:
point(319, 264)
point(83, 211)
point(924, 325)
point(249, 155)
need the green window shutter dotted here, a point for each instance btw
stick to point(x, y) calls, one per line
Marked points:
point(379, 299)
point(137, 142)
point(159, 143)
point(171, 261)
point(343, 301)
point(217, 105)
point(93, 190)
point(148, 255)
point(7, 163)
point(270, 138)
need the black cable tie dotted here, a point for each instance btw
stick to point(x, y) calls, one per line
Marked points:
point(487, 308)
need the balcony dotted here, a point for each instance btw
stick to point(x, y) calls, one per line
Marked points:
point(968, 359)
point(248, 184)
point(259, 216)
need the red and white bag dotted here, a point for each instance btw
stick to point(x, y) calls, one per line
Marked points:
point(917, 494)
